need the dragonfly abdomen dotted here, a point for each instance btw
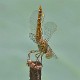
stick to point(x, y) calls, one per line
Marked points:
point(39, 30)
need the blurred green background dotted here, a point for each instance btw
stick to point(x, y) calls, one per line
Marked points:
point(15, 42)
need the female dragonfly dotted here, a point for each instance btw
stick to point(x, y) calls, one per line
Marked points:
point(40, 37)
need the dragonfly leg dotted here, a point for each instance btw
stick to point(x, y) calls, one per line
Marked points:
point(32, 51)
point(41, 57)
point(37, 56)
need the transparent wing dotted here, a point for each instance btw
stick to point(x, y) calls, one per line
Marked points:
point(32, 37)
point(50, 53)
point(33, 24)
point(33, 21)
point(49, 29)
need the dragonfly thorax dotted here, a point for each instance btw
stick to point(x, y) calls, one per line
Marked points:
point(42, 45)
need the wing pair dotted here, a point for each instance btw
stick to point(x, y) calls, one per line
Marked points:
point(49, 28)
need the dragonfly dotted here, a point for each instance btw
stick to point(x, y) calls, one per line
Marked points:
point(41, 36)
